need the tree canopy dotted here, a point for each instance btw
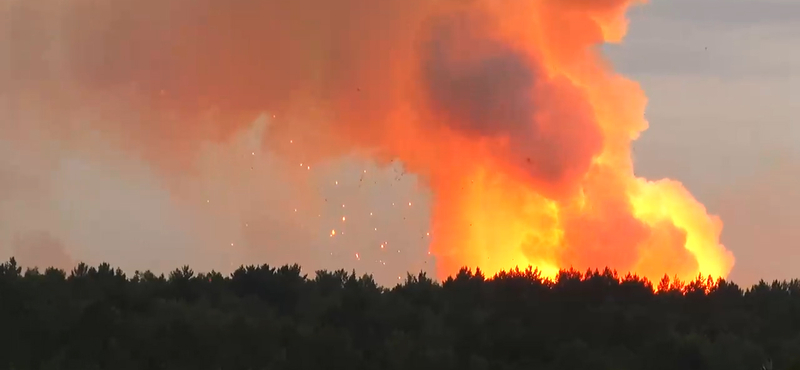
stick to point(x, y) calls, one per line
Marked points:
point(263, 317)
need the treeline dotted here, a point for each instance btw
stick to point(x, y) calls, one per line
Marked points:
point(279, 318)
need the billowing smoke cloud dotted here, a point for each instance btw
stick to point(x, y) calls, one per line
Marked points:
point(503, 108)
point(484, 88)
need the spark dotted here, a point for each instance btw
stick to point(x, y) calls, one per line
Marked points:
point(344, 218)
point(409, 204)
point(333, 233)
point(370, 213)
point(252, 153)
point(291, 141)
point(427, 234)
point(295, 209)
point(383, 246)
point(309, 167)
point(342, 205)
point(336, 182)
point(358, 257)
point(231, 244)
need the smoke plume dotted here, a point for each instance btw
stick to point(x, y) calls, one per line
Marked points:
point(504, 109)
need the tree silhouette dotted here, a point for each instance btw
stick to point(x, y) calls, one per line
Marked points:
point(262, 317)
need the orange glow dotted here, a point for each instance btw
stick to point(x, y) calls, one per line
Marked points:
point(601, 216)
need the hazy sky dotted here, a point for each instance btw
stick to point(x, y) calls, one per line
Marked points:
point(722, 80)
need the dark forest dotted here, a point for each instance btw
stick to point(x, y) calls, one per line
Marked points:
point(262, 317)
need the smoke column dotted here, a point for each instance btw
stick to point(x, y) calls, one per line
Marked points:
point(504, 109)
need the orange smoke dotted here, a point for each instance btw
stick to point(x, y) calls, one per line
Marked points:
point(547, 178)
point(505, 109)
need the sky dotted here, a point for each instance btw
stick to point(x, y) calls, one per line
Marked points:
point(721, 77)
